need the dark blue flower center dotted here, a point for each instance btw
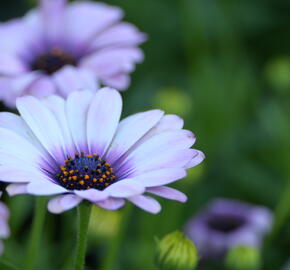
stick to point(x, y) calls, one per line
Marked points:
point(225, 223)
point(85, 172)
point(52, 61)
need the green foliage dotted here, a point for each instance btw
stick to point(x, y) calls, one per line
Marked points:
point(224, 66)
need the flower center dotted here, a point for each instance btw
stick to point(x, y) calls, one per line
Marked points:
point(53, 61)
point(85, 172)
point(225, 223)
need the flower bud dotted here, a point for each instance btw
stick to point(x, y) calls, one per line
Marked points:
point(176, 252)
point(243, 258)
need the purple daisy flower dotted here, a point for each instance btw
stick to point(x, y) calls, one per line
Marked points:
point(4, 228)
point(228, 223)
point(78, 150)
point(36, 50)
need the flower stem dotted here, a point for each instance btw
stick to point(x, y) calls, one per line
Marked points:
point(282, 212)
point(84, 212)
point(36, 232)
point(111, 258)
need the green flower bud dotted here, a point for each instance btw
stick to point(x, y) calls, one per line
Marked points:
point(176, 252)
point(243, 258)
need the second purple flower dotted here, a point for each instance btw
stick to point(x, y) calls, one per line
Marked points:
point(41, 52)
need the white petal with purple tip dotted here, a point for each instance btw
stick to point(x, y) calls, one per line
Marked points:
point(120, 81)
point(169, 122)
point(197, 159)
point(111, 203)
point(160, 177)
point(86, 19)
point(121, 34)
point(17, 124)
point(17, 86)
point(130, 130)
point(176, 140)
point(92, 195)
point(146, 203)
point(112, 61)
point(11, 65)
point(13, 144)
point(44, 83)
point(13, 174)
point(103, 118)
point(4, 212)
point(166, 159)
point(16, 189)
point(42, 187)
point(76, 109)
point(69, 79)
point(52, 13)
point(125, 188)
point(43, 124)
point(57, 106)
point(168, 193)
point(63, 203)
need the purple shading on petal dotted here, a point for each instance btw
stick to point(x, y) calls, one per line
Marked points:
point(77, 149)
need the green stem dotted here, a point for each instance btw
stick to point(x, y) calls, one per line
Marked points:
point(282, 212)
point(36, 232)
point(4, 264)
point(84, 212)
point(112, 254)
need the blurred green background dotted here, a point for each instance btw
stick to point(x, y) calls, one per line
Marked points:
point(224, 66)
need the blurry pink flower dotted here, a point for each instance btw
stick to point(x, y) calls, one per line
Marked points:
point(41, 52)
point(78, 150)
point(4, 228)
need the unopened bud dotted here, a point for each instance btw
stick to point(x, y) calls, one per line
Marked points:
point(243, 258)
point(176, 252)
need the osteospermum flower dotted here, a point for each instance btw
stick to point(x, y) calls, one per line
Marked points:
point(77, 149)
point(87, 37)
point(4, 228)
point(225, 224)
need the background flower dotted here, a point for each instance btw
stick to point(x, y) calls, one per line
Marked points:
point(4, 228)
point(230, 60)
point(228, 223)
point(41, 52)
point(78, 148)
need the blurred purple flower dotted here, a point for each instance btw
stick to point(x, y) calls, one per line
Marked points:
point(227, 223)
point(78, 150)
point(4, 228)
point(41, 52)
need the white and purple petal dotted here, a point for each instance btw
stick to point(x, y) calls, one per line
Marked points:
point(111, 203)
point(130, 130)
point(63, 203)
point(103, 119)
point(78, 150)
point(168, 193)
point(146, 203)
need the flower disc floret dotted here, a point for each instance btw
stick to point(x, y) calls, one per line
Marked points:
point(85, 172)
